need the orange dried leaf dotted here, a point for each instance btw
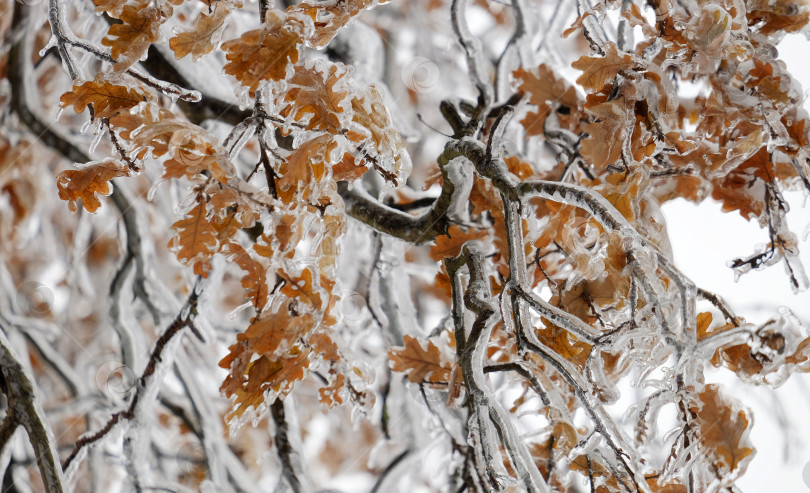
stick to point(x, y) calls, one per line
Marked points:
point(267, 53)
point(801, 354)
point(204, 35)
point(329, 17)
point(319, 94)
point(129, 39)
point(449, 245)
point(107, 98)
point(255, 278)
point(303, 289)
point(542, 85)
point(348, 169)
point(723, 432)
point(85, 183)
point(277, 330)
point(606, 135)
point(704, 320)
point(196, 240)
point(421, 365)
point(371, 115)
point(266, 374)
point(305, 166)
point(667, 487)
point(598, 71)
point(564, 344)
point(595, 469)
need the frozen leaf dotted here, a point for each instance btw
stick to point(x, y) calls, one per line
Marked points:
point(255, 279)
point(449, 245)
point(593, 467)
point(669, 487)
point(421, 365)
point(543, 86)
point(129, 39)
point(801, 355)
point(267, 53)
point(774, 17)
point(263, 375)
point(387, 150)
point(107, 98)
point(85, 183)
point(329, 17)
point(277, 330)
point(606, 134)
point(304, 289)
point(196, 240)
point(112, 7)
point(316, 96)
point(305, 166)
point(563, 343)
point(598, 71)
point(704, 320)
point(205, 33)
point(723, 432)
point(348, 169)
point(327, 350)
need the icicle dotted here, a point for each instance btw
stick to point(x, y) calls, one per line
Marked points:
point(58, 114)
point(243, 135)
point(150, 195)
point(51, 44)
point(96, 140)
point(244, 98)
point(85, 126)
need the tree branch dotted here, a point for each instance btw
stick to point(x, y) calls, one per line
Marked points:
point(24, 410)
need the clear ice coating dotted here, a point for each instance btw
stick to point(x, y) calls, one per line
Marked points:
point(441, 264)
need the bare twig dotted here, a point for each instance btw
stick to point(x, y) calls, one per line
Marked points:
point(146, 382)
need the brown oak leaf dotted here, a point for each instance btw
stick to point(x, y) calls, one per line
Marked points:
point(723, 431)
point(543, 86)
point(85, 183)
point(204, 34)
point(267, 53)
point(196, 240)
point(388, 150)
point(130, 38)
point(319, 94)
point(606, 135)
point(421, 365)
point(449, 245)
point(598, 71)
point(107, 98)
point(329, 17)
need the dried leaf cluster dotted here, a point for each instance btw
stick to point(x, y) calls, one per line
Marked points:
point(479, 292)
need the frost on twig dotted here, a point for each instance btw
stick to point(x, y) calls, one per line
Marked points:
point(25, 410)
point(455, 310)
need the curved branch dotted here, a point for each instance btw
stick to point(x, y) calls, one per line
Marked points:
point(24, 410)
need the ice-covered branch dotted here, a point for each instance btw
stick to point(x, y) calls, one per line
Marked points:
point(478, 300)
point(148, 381)
point(291, 466)
point(24, 410)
